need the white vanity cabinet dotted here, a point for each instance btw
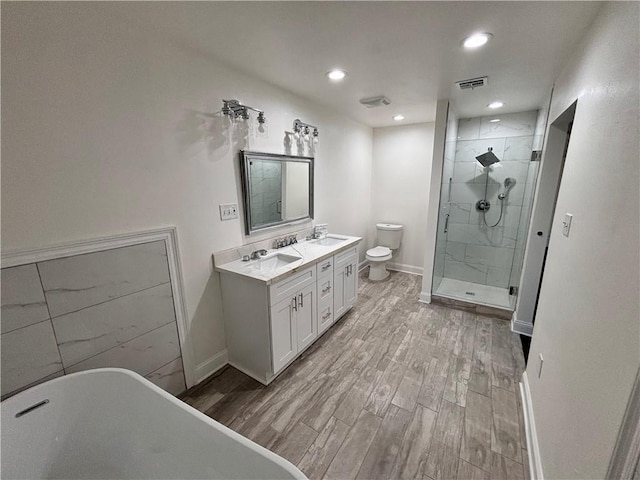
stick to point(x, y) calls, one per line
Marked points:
point(270, 322)
point(345, 281)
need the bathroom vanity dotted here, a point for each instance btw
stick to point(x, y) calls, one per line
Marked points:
point(276, 306)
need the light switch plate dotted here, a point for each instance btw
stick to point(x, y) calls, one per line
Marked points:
point(566, 224)
point(228, 211)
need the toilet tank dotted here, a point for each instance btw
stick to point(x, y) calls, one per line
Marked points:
point(389, 235)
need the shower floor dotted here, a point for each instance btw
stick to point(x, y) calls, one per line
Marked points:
point(476, 293)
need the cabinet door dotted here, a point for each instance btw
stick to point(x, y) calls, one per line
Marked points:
point(283, 334)
point(306, 325)
point(339, 306)
point(351, 284)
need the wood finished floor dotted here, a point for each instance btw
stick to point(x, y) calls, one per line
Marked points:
point(395, 389)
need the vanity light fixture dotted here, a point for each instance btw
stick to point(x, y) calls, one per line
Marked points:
point(494, 120)
point(496, 104)
point(235, 109)
point(398, 117)
point(305, 130)
point(336, 75)
point(477, 40)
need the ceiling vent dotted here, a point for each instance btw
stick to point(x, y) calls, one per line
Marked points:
point(372, 102)
point(473, 83)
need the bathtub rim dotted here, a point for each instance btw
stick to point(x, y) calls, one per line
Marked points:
point(294, 471)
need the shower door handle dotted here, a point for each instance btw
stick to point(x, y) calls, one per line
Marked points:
point(446, 223)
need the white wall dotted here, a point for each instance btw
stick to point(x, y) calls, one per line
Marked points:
point(402, 159)
point(587, 325)
point(106, 129)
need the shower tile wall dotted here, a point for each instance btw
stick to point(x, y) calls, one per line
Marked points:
point(473, 251)
point(106, 309)
point(266, 192)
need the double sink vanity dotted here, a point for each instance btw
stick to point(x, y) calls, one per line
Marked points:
point(278, 304)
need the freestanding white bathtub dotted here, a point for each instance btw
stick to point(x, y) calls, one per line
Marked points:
point(113, 424)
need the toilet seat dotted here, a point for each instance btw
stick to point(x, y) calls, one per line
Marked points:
point(379, 254)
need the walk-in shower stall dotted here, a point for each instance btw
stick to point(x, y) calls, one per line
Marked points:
point(488, 181)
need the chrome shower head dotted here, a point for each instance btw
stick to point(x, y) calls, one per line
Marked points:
point(487, 159)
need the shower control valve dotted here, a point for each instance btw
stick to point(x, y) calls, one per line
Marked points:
point(483, 205)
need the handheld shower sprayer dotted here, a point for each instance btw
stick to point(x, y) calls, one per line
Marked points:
point(509, 183)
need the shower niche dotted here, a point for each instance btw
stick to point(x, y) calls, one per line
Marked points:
point(486, 197)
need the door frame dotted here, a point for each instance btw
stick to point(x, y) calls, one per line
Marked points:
point(546, 194)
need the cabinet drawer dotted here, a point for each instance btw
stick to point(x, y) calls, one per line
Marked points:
point(288, 287)
point(325, 315)
point(325, 268)
point(325, 287)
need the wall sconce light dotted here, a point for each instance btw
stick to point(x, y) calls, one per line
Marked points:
point(234, 109)
point(307, 131)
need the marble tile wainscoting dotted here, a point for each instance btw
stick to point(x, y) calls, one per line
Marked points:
point(111, 308)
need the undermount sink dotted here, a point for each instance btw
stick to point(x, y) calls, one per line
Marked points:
point(275, 261)
point(328, 241)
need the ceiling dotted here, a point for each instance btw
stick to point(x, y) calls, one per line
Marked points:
point(409, 51)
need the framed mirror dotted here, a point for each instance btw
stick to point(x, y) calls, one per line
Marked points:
point(277, 189)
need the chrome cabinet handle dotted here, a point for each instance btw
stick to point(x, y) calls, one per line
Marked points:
point(324, 317)
point(294, 300)
point(301, 300)
point(325, 267)
point(326, 290)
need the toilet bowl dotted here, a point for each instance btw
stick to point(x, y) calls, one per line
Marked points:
point(389, 236)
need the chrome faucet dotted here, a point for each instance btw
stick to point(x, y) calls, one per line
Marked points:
point(257, 254)
point(320, 230)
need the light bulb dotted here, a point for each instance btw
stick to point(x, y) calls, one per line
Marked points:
point(476, 40)
point(336, 75)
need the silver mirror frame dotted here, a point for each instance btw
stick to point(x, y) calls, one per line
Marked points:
point(245, 160)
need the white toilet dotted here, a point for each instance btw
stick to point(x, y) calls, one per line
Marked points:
point(389, 237)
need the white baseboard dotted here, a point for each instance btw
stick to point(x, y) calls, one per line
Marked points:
point(425, 297)
point(211, 365)
point(521, 327)
point(364, 264)
point(401, 267)
point(533, 449)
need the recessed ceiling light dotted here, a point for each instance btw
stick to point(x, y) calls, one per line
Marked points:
point(476, 40)
point(494, 120)
point(336, 75)
point(496, 105)
point(398, 117)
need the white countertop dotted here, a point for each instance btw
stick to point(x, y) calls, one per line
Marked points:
point(309, 252)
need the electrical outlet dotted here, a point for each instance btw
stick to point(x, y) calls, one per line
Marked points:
point(228, 211)
point(540, 365)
